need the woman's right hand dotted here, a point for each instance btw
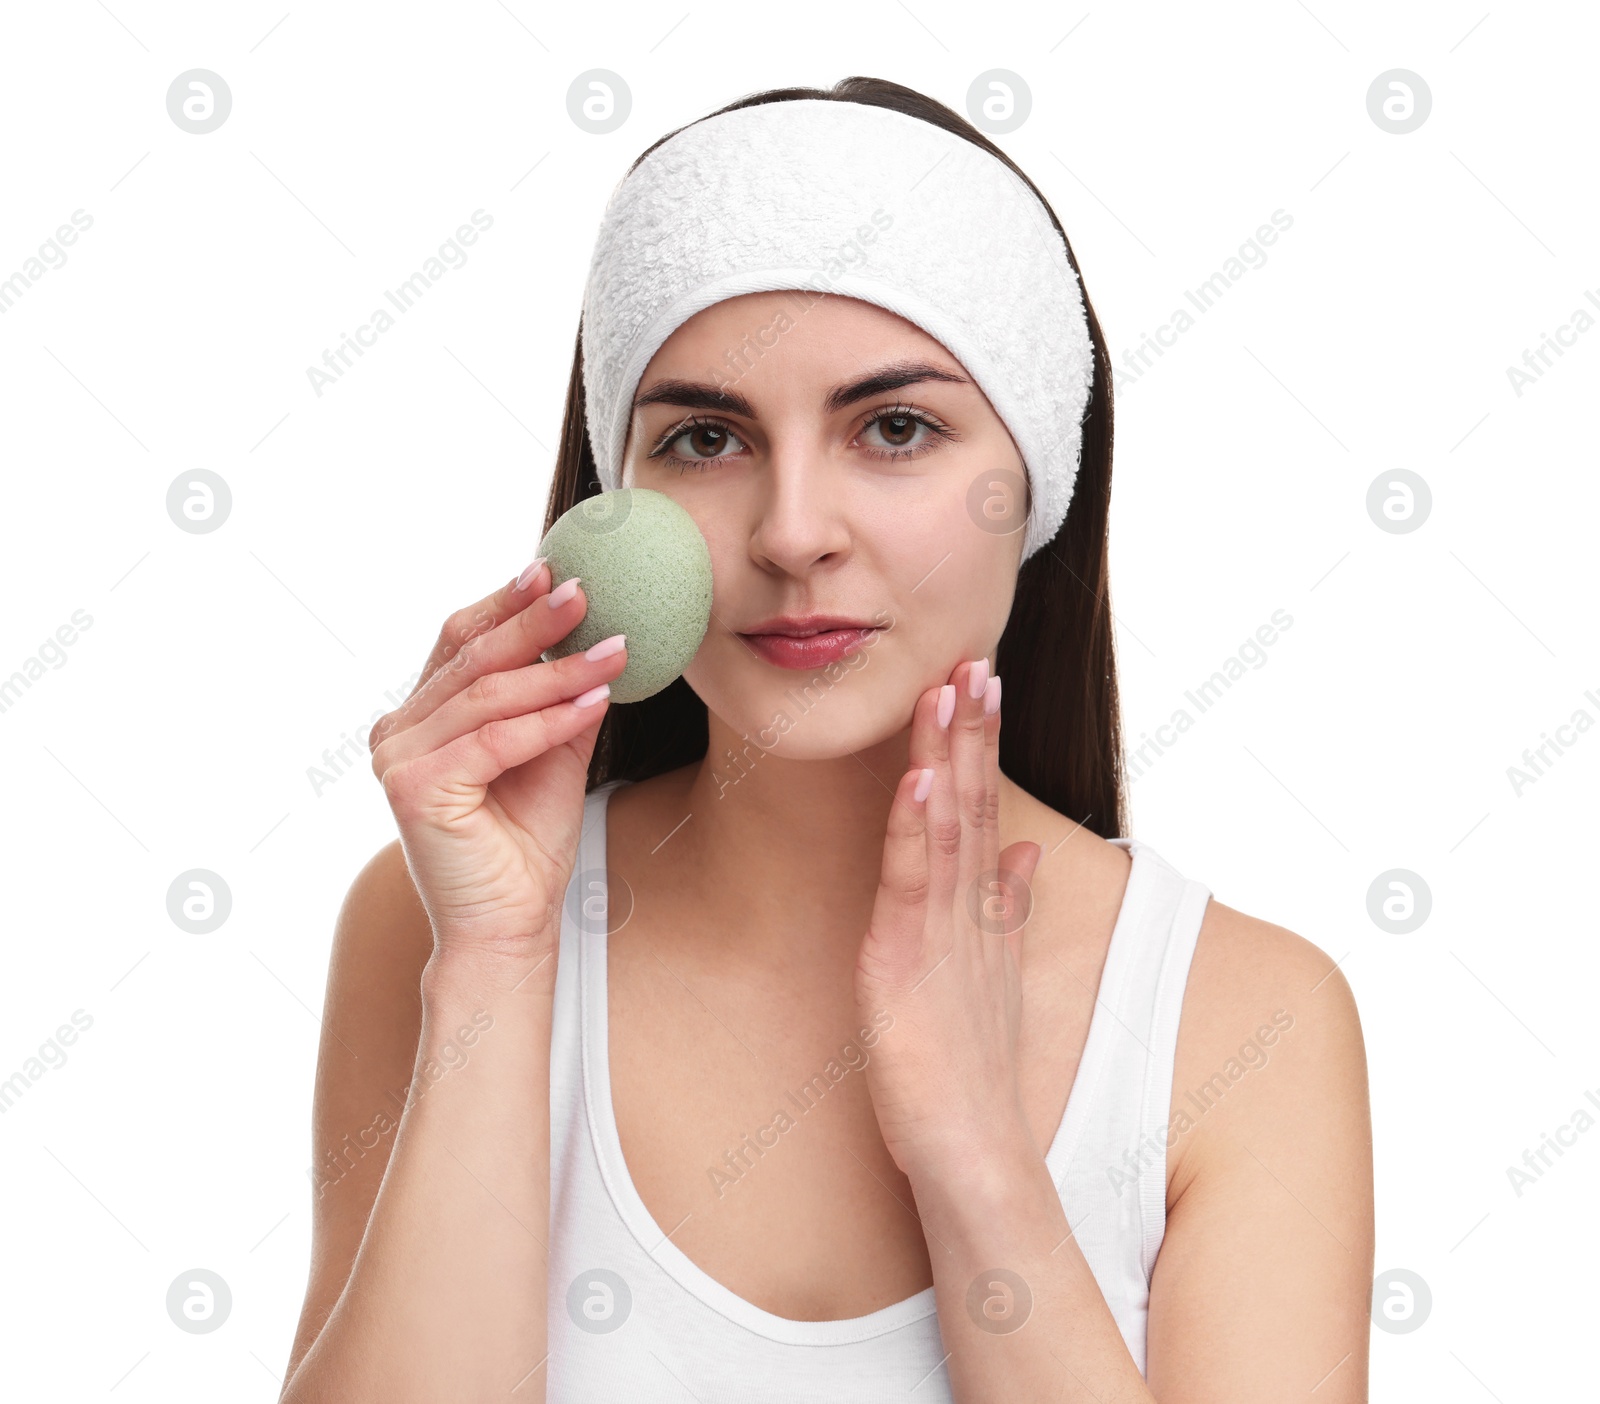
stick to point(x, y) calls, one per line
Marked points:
point(485, 766)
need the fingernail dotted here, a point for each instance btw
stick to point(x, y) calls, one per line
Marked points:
point(593, 695)
point(526, 578)
point(606, 647)
point(924, 784)
point(978, 678)
point(991, 697)
point(563, 592)
point(947, 704)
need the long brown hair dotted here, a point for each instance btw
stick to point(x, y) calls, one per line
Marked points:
point(1062, 741)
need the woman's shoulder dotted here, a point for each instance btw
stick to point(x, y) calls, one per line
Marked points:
point(1241, 966)
point(1268, 1033)
point(1246, 969)
point(1269, 1148)
point(1270, 1052)
point(382, 898)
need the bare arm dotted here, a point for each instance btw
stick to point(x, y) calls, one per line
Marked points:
point(428, 1266)
point(1263, 1287)
point(445, 1297)
point(371, 1026)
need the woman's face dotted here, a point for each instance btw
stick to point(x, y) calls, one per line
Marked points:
point(852, 469)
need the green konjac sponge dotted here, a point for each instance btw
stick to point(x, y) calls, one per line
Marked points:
point(646, 572)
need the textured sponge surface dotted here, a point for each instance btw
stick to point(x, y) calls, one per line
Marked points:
point(646, 572)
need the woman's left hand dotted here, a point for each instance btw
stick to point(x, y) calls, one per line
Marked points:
point(942, 956)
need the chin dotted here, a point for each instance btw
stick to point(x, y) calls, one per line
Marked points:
point(819, 715)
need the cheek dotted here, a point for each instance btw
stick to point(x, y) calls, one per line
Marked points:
point(732, 572)
point(964, 522)
point(732, 582)
point(955, 582)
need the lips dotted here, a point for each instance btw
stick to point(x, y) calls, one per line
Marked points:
point(802, 625)
point(807, 642)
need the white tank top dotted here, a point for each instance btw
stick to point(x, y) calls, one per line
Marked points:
point(633, 1318)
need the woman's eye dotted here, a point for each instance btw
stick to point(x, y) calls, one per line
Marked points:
point(898, 432)
point(702, 441)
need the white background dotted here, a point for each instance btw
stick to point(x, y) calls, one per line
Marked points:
point(178, 732)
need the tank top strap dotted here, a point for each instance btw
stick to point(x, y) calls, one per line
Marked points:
point(582, 907)
point(1154, 997)
point(1111, 1169)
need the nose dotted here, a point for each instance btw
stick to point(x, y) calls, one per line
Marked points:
point(801, 507)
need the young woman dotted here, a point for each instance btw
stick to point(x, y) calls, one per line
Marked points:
point(808, 1030)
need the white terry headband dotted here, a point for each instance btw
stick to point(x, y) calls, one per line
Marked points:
point(783, 195)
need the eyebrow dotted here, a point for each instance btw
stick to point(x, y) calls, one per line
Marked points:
point(695, 394)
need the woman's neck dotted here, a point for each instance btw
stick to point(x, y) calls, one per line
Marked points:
point(784, 854)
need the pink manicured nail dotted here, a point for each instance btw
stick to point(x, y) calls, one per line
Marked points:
point(526, 578)
point(947, 704)
point(606, 647)
point(978, 678)
point(563, 592)
point(924, 784)
point(593, 695)
point(991, 697)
